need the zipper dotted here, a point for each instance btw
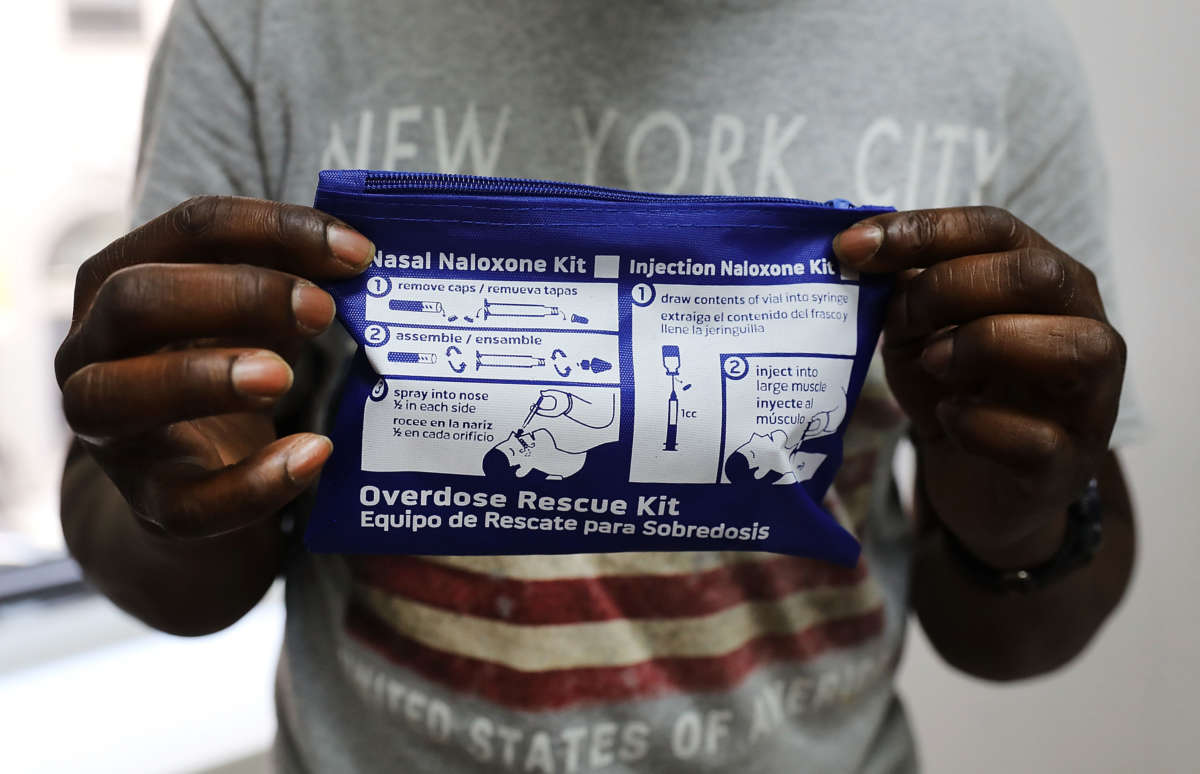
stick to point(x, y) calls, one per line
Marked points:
point(363, 181)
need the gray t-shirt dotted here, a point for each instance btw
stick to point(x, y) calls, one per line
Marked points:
point(708, 661)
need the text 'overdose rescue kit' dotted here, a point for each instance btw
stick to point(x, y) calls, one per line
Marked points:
point(557, 368)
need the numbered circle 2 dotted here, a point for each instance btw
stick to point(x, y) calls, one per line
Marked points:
point(642, 294)
point(735, 367)
point(376, 335)
point(379, 286)
point(380, 390)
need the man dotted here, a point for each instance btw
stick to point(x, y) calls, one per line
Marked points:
point(998, 350)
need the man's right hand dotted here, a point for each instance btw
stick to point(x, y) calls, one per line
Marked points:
point(178, 351)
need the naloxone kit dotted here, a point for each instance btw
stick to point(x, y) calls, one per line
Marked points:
point(557, 368)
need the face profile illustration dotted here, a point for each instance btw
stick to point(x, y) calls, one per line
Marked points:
point(768, 459)
point(773, 458)
point(531, 457)
point(554, 440)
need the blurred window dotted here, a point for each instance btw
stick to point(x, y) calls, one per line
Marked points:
point(67, 183)
point(104, 17)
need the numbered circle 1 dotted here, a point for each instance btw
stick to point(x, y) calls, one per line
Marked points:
point(379, 286)
point(376, 335)
point(380, 390)
point(735, 367)
point(642, 294)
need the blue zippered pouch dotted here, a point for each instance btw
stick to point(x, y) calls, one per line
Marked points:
point(558, 368)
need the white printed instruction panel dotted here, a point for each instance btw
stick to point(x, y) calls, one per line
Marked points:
point(580, 399)
point(479, 375)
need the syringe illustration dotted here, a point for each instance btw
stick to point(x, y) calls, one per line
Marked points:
point(509, 309)
point(504, 309)
point(489, 309)
point(506, 360)
point(671, 362)
point(519, 360)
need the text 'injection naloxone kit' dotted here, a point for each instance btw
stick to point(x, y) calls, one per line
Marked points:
point(557, 368)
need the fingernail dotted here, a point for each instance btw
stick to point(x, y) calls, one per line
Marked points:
point(306, 457)
point(261, 375)
point(312, 307)
point(349, 247)
point(858, 244)
point(935, 358)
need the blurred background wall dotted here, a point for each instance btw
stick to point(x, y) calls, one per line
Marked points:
point(1128, 705)
point(74, 73)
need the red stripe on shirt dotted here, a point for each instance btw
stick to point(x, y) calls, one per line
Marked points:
point(604, 598)
point(556, 689)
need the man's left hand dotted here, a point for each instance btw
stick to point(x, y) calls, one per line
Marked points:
point(997, 347)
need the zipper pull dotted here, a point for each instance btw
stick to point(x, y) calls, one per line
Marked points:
point(840, 204)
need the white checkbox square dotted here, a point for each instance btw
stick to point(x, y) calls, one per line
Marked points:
point(607, 266)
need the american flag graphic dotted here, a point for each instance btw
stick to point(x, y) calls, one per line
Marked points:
point(538, 633)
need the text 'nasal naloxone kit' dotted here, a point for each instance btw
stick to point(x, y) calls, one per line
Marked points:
point(556, 368)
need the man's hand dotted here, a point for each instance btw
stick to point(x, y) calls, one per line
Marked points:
point(997, 347)
point(176, 358)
